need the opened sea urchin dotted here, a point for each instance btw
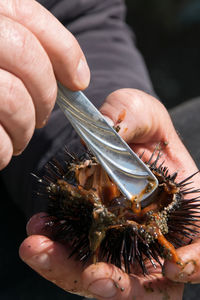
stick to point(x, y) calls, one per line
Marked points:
point(87, 211)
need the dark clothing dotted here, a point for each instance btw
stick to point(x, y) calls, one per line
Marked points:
point(115, 63)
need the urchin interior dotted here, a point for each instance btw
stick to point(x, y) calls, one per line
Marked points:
point(90, 213)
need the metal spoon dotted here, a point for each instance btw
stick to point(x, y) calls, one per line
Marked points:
point(125, 168)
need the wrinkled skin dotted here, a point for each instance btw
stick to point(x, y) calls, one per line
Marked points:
point(146, 125)
point(30, 63)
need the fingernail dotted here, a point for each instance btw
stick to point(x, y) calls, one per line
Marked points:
point(40, 261)
point(188, 270)
point(110, 122)
point(83, 74)
point(103, 288)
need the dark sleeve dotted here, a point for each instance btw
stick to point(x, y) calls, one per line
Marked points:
point(115, 63)
point(108, 45)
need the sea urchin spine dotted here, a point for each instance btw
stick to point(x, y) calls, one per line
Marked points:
point(87, 211)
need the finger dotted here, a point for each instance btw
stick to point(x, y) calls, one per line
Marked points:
point(39, 246)
point(23, 56)
point(145, 124)
point(6, 148)
point(90, 282)
point(67, 58)
point(136, 113)
point(190, 271)
point(17, 113)
point(101, 280)
point(50, 260)
point(106, 281)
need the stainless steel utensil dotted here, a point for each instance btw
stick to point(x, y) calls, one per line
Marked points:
point(125, 168)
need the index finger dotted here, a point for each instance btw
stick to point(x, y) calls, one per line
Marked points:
point(67, 58)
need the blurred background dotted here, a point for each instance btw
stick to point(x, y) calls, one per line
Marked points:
point(168, 35)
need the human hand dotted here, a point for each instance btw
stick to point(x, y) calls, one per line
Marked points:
point(145, 125)
point(35, 51)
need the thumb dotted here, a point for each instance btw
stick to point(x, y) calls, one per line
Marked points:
point(144, 123)
point(136, 115)
point(190, 271)
point(105, 281)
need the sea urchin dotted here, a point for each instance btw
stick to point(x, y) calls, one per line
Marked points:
point(87, 211)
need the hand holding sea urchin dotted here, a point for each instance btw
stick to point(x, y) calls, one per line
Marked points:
point(88, 212)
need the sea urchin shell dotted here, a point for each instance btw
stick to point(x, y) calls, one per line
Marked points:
point(87, 211)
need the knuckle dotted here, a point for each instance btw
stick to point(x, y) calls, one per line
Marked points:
point(17, 111)
point(23, 44)
point(11, 103)
point(18, 7)
point(22, 41)
point(23, 10)
point(16, 38)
